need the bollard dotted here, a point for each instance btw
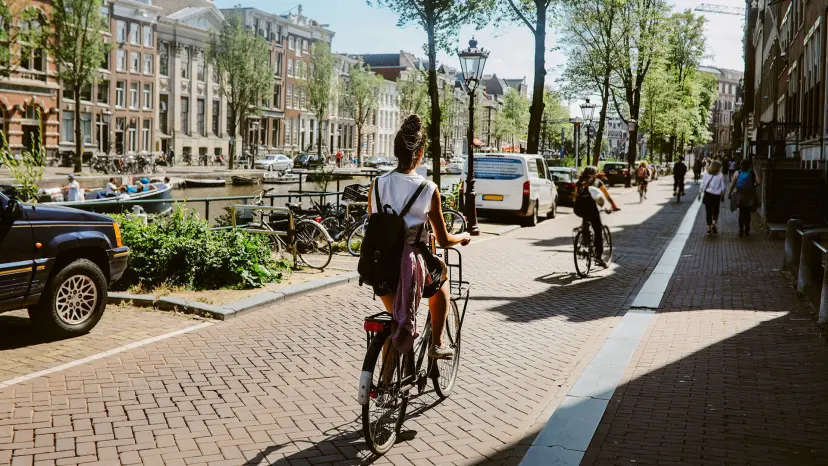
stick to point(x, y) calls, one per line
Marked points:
point(805, 279)
point(790, 260)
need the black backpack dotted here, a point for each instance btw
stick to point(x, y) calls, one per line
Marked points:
point(583, 201)
point(381, 251)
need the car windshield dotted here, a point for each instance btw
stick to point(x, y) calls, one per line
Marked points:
point(561, 175)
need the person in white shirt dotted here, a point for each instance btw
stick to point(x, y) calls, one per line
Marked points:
point(112, 189)
point(73, 190)
point(712, 187)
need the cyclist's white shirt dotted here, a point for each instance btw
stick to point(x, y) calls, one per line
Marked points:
point(395, 189)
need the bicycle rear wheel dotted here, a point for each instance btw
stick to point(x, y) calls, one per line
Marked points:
point(607, 255)
point(455, 222)
point(356, 237)
point(312, 244)
point(444, 371)
point(583, 255)
point(383, 415)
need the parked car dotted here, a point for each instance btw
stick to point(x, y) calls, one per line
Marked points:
point(564, 179)
point(615, 173)
point(307, 161)
point(277, 162)
point(58, 263)
point(515, 185)
point(375, 161)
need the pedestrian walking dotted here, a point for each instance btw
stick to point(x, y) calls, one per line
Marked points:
point(744, 184)
point(171, 158)
point(712, 188)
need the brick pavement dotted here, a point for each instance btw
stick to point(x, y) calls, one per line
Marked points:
point(279, 385)
point(23, 350)
point(734, 370)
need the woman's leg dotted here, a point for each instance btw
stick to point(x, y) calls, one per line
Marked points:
point(708, 210)
point(438, 307)
point(597, 234)
point(744, 218)
point(715, 203)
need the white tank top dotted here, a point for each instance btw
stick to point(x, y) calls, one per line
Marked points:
point(395, 189)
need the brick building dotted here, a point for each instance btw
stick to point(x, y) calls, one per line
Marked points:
point(721, 118)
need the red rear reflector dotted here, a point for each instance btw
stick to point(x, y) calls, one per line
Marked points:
point(374, 327)
point(373, 394)
point(318, 219)
point(525, 188)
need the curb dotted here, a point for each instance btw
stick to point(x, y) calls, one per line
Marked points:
point(502, 232)
point(230, 310)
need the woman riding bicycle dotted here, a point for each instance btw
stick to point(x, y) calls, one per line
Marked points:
point(396, 188)
point(587, 208)
point(641, 178)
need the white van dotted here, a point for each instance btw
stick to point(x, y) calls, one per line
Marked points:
point(514, 184)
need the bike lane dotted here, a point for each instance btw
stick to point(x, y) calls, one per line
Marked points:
point(280, 384)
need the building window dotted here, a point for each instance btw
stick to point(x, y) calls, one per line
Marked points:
point(103, 92)
point(296, 101)
point(105, 17)
point(200, 69)
point(304, 46)
point(120, 90)
point(147, 36)
point(185, 115)
point(278, 65)
point(290, 68)
point(148, 63)
point(86, 127)
point(185, 63)
point(163, 102)
point(145, 135)
point(86, 92)
point(147, 96)
point(134, 33)
point(164, 59)
point(120, 30)
point(277, 96)
point(290, 96)
point(291, 43)
point(267, 31)
point(132, 137)
point(202, 130)
point(105, 63)
point(68, 127)
point(274, 137)
point(133, 95)
point(287, 132)
point(121, 61)
point(134, 62)
point(216, 109)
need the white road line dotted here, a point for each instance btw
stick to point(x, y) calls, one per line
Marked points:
point(567, 434)
point(137, 344)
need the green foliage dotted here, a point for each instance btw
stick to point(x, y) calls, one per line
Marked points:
point(320, 84)
point(241, 63)
point(26, 168)
point(512, 123)
point(182, 250)
point(79, 51)
point(323, 176)
point(361, 97)
point(413, 92)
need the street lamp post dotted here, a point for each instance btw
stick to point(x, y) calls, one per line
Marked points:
point(472, 62)
point(576, 122)
point(587, 111)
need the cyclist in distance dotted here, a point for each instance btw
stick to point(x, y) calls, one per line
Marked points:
point(679, 170)
point(590, 213)
point(641, 178)
point(396, 188)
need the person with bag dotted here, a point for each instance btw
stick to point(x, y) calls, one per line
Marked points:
point(641, 178)
point(395, 256)
point(712, 188)
point(744, 182)
point(587, 189)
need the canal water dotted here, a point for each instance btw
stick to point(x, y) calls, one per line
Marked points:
point(217, 207)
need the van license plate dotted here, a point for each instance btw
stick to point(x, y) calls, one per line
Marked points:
point(492, 197)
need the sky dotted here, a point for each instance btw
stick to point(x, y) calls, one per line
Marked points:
point(360, 29)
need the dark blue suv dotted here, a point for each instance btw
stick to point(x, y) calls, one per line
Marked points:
point(58, 263)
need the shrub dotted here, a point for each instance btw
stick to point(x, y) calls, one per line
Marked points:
point(182, 250)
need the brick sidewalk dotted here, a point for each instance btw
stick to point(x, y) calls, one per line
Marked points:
point(279, 385)
point(734, 370)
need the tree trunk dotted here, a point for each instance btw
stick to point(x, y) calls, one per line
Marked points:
point(536, 110)
point(78, 136)
point(319, 140)
point(231, 159)
point(434, 94)
point(359, 145)
point(602, 119)
point(672, 148)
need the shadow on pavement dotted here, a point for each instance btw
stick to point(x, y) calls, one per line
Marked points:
point(18, 332)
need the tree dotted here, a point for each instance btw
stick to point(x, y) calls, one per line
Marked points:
point(642, 43)
point(449, 112)
point(441, 20)
point(591, 38)
point(686, 43)
point(79, 50)
point(413, 91)
point(361, 98)
point(321, 84)
point(516, 114)
point(241, 63)
point(555, 118)
point(533, 13)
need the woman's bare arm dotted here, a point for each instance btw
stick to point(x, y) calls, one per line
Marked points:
point(438, 224)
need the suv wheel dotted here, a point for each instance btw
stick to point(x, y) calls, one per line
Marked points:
point(73, 301)
point(554, 212)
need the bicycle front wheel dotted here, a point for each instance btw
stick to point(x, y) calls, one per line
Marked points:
point(607, 255)
point(444, 371)
point(383, 415)
point(356, 237)
point(455, 221)
point(583, 256)
point(312, 244)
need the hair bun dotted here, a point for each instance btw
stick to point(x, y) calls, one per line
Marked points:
point(412, 124)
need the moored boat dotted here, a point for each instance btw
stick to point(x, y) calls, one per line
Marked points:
point(280, 178)
point(121, 203)
point(193, 183)
point(243, 180)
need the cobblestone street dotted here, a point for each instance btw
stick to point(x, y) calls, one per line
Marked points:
point(278, 386)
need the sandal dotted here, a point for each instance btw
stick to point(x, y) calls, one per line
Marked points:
point(440, 352)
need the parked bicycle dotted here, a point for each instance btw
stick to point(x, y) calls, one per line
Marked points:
point(584, 248)
point(292, 231)
point(388, 377)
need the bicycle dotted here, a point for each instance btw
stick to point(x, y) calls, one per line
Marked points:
point(584, 247)
point(388, 377)
point(679, 189)
point(296, 232)
point(641, 193)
